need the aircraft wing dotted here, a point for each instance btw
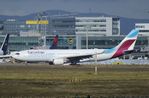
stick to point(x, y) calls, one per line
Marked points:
point(77, 58)
point(80, 57)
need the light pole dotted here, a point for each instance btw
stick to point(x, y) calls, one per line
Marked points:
point(38, 25)
point(87, 28)
point(87, 38)
point(45, 27)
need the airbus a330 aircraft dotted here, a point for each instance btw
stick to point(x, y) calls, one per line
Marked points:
point(73, 56)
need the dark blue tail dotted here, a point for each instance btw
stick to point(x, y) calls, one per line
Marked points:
point(4, 46)
point(55, 42)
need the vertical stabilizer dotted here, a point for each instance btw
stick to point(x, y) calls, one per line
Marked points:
point(55, 42)
point(127, 43)
point(4, 46)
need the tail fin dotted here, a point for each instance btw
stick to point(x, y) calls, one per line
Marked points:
point(4, 46)
point(127, 43)
point(55, 42)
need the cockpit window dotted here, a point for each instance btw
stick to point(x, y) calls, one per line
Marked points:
point(17, 53)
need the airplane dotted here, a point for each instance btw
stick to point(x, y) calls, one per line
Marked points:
point(4, 46)
point(74, 56)
point(55, 42)
point(53, 46)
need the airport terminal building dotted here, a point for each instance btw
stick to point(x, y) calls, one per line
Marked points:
point(74, 33)
point(101, 26)
point(143, 28)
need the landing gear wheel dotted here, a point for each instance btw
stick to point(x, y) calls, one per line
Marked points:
point(50, 63)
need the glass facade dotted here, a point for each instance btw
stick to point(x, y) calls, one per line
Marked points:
point(61, 26)
point(109, 42)
point(107, 26)
point(64, 41)
point(17, 43)
point(14, 27)
point(68, 25)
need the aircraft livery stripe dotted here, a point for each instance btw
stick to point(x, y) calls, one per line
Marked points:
point(123, 47)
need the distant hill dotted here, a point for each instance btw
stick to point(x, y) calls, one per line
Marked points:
point(126, 23)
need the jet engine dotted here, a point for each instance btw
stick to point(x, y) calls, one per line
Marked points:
point(58, 61)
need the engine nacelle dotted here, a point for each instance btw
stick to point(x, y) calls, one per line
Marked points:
point(58, 61)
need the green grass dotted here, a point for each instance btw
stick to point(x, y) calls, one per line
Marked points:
point(70, 81)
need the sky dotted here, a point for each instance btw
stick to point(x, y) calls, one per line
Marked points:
point(138, 9)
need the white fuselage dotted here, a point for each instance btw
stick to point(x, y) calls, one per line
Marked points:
point(61, 56)
point(51, 55)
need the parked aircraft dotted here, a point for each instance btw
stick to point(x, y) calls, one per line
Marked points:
point(73, 56)
point(55, 42)
point(53, 46)
point(4, 46)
